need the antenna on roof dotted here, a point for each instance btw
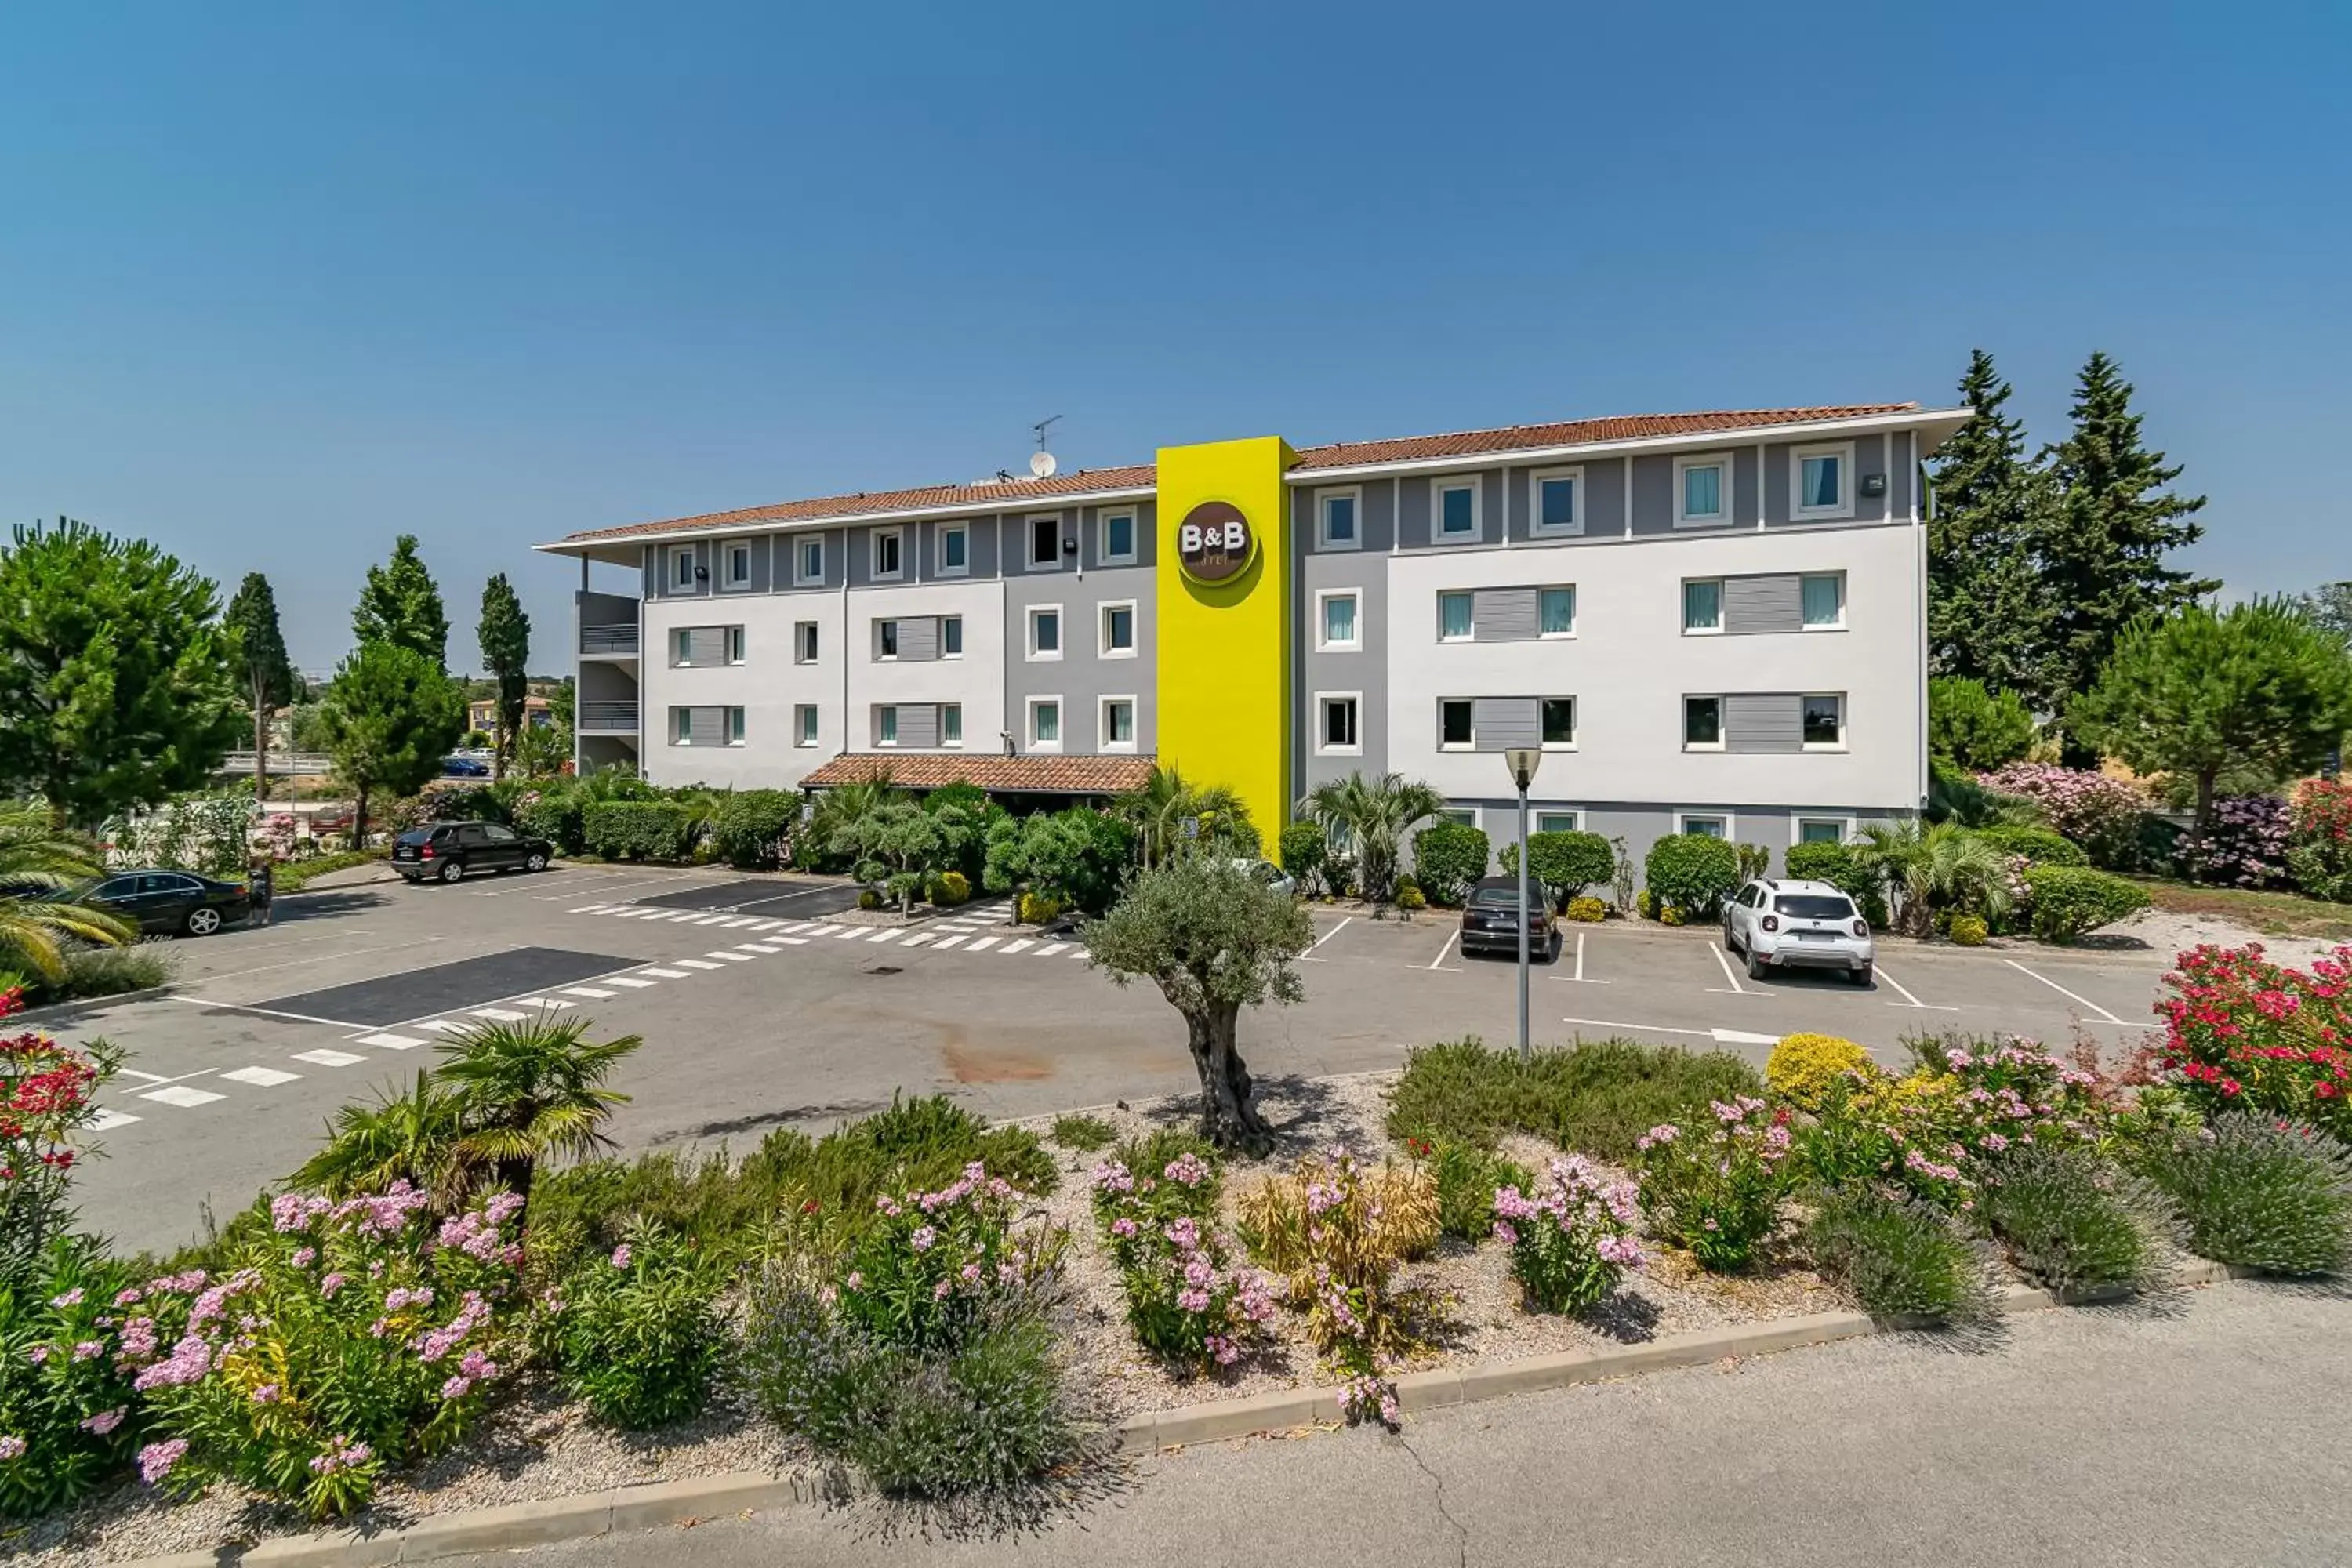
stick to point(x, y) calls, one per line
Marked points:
point(1041, 462)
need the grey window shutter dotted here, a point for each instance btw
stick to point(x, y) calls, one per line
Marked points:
point(708, 726)
point(1762, 604)
point(1502, 722)
point(706, 645)
point(1505, 615)
point(918, 724)
point(919, 637)
point(1764, 722)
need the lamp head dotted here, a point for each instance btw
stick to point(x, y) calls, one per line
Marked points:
point(1522, 761)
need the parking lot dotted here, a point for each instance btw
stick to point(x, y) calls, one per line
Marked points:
point(758, 1011)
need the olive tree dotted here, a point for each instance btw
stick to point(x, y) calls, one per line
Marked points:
point(1214, 940)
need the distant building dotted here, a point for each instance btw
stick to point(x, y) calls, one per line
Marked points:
point(484, 715)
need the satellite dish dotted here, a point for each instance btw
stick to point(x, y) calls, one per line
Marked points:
point(1041, 465)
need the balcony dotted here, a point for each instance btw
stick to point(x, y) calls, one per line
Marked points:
point(608, 717)
point(609, 640)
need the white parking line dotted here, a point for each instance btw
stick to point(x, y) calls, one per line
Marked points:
point(1438, 961)
point(949, 941)
point(391, 1042)
point(1580, 963)
point(330, 1058)
point(1345, 921)
point(1720, 1036)
point(548, 1002)
point(181, 1095)
point(588, 991)
point(261, 1078)
point(1724, 960)
point(2061, 991)
point(268, 1012)
point(1908, 1000)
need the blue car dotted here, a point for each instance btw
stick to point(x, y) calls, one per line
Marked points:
point(463, 768)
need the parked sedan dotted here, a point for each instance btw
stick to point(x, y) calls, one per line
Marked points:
point(464, 767)
point(173, 903)
point(1489, 922)
point(448, 851)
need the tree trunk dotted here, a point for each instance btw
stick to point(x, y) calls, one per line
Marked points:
point(359, 818)
point(260, 741)
point(2205, 782)
point(498, 746)
point(1228, 1118)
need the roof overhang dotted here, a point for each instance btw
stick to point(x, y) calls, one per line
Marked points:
point(629, 545)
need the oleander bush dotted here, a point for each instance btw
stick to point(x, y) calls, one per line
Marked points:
point(2260, 1192)
point(2105, 815)
point(1716, 1186)
point(1802, 1066)
point(1596, 1095)
point(1448, 858)
point(638, 1334)
point(2245, 844)
point(2073, 1221)
point(69, 1417)
point(1690, 875)
point(1467, 1178)
point(1901, 1258)
point(2319, 839)
point(2242, 1031)
point(1186, 1301)
point(1572, 1238)
point(2069, 902)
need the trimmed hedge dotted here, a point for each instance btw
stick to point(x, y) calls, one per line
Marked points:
point(1304, 852)
point(1691, 874)
point(1837, 865)
point(638, 829)
point(750, 823)
point(1564, 863)
point(1448, 858)
point(2042, 845)
point(555, 817)
point(2069, 901)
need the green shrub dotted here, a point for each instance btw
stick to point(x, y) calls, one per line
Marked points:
point(555, 817)
point(1564, 864)
point(45, 1403)
point(637, 1335)
point(293, 875)
point(638, 829)
point(1692, 874)
point(1448, 858)
point(1802, 1066)
point(1968, 930)
point(1901, 1258)
point(2069, 901)
point(2043, 845)
point(1304, 853)
point(1467, 1179)
point(1755, 860)
point(105, 971)
point(1409, 896)
point(950, 889)
point(1972, 728)
point(1084, 1133)
point(1837, 865)
point(1586, 910)
point(1715, 1183)
point(748, 825)
point(2073, 1221)
point(1597, 1095)
point(1152, 1154)
point(2262, 1194)
point(1037, 909)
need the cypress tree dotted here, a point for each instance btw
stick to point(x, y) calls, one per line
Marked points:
point(269, 675)
point(505, 633)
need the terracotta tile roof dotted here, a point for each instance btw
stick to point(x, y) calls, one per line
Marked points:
point(1010, 775)
point(1016, 493)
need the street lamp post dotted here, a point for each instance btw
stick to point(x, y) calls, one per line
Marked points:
point(1522, 762)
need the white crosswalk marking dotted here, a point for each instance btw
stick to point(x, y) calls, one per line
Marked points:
point(105, 1120)
point(920, 937)
point(593, 909)
point(499, 1015)
point(983, 943)
point(261, 1078)
point(329, 1058)
point(848, 934)
point(729, 957)
point(761, 947)
point(946, 942)
point(885, 935)
point(690, 963)
point(392, 1042)
point(631, 981)
point(1049, 950)
point(439, 1026)
point(588, 991)
point(181, 1095)
point(548, 1002)
point(1018, 943)
point(743, 920)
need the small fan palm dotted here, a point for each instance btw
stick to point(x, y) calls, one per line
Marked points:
point(37, 863)
point(409, 1137)
point(1936, 866)
point(527, 1092)
point(1159, 806)
point(1370, 816)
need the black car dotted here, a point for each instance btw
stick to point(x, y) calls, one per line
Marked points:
point(446, 851)
point(176, 903)
point(1488, 924)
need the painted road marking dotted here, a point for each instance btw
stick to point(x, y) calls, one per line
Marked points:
point(440, 1026)
point(261, 1078)
point(1050, 948)
point(590, 992)
point(631, 981)
point(761, 947)
point(1438, 961)
point(1724, 961)
point(848, 934)
point(921, 937)
point(885, 934)
point(181, 1095)
point(729, 957)
point(592, 910)
point(790, 941)
point(329, 1058)
point(949, 941)
point(983, 943)
point(547, 1002)
point(499, 1015)
point(107, 1121)
point(148, 1077)
point(1908, 1000)
point(673, 974)
point(392, 1042)
point(1345, 921)
point(1018, 943)
point(2061, 991)
point(271, 1013)
point(1720, 1036)
point(770, 925)
point(688, 964)
point(1580, 963)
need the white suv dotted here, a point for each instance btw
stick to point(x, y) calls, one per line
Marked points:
point(1808, 925)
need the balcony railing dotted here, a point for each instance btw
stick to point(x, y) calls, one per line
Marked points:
point(608, 639)
point(608, 715)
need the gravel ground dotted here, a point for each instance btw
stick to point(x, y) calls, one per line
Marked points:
point(2165, 933)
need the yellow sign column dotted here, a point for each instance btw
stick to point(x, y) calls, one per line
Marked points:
point(1224, 582)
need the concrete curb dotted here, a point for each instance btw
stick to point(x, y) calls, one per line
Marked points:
point(521, 1524)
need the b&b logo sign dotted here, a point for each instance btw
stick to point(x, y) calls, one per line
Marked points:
point(1214, 541)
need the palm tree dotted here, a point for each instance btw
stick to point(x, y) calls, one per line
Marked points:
point(408, 1137)
point(845, 805)
point(1159, 805)
point(1372, 817)
point(1934, 865)
point(529, 1091)
point(37, 863)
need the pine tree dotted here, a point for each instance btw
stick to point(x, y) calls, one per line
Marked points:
point(505, 633)
point(268, 676)
point(2103, 545)
point(1988, 612)
point(402, 605)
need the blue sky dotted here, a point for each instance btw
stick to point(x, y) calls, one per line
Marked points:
point(281, 281)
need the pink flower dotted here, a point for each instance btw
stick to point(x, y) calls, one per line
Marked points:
point(12, 1447)
point(856, 1281)
point(156, 1459)
point(71, 1298)
point(267, 1394)
point(456, 1387)
point(923, 1237)
point(621, 1256)
point(106, 1421)
point(305, 1256)
point(333, 1283)
point(128, 1298)
point(89, 1349)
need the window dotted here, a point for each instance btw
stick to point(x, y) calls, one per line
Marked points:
point(1119, 539)
point(885, 553)
point(950, 723)
point(955, 549)
point(1455, 733)
point(804, 724)
point(1554, 500)
point(1335, 519)
point(681, 726)
point(1824, 723)
point(885, 639)
point(1557, 607)
point(681, 569)
point(738, 561)
point(1045, 632)
point(734, 719)
point(1046, 723)
point(1820, 480)
point(1824, 601)
point(1556, 821)
point(804, 642)
point(1467, 816)
point(1558, 715)
point(1338, 718)
point(885, 726)
point(1118, 724)
point(1456, 509)
point(681, 646)
point(1702, 605)
point(1821, 829)
point(1454, 621)
point(1706, 827)
point(808, 561)
point(1118, 630)
point(951, 636)
point(734, 644)
point(1702, 724)
point(1044, 541)
point(1702, 491)
point(1336, 624)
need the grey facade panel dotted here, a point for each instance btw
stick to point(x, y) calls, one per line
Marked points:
point(1505, 615)
point(979, 549)
point(1762, 603)
point(754, 557)
point(1654, 494)
point(1500, 723)
point(1363, 672)
point(1642, 824)
point(1763, 721)
point(786, 562)
point(1080, 678)
point(663, 570)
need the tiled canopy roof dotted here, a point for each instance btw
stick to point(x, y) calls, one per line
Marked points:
point(999, 774)
point(1016, 493)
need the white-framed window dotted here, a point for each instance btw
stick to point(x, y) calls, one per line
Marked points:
point(950, 723)
point(1115, 630)
point(1045, 551)
point(888, 560)
point(1824, 830)
point(1119, 539)
point(1457, 617)
point(804, 724)
point(808, 561)
point(1467, 816)
point(1822, 596)
point(1046, 723)
point(1705, 824)
point(1702, 606)
point(1454, 510)
point(1339, 519)
point(681, 726)
point(1045, 631)
point(681, 569)
point(1820, 480)
point(804, 642)
point(1557, 821)
point(1338, 718)
point(734, 644)
point(955, 549)
point(886, 640)
point(735, 565)
point(951, 636)
point(1703, 491)
point(732, 721)
point(1117, 721)
point(1702, 724)
point(1456, 726)
point(1824, 722)
point(1557, 718)
point(1337, 627)
point(1556, 611)
point(885, 726)
point(681, 647)
point(1556, 502)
